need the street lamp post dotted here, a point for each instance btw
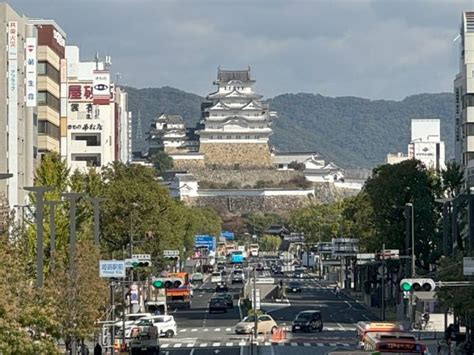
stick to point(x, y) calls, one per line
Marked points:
point(40, 191)
point(95, 204)
point(413, 270)
point(52, 230)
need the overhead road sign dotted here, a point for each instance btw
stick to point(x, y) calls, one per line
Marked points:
point(205, 241)
point(170, 253)
point(112, 268)
point(345, 246)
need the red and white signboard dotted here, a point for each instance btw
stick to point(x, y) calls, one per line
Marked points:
point(31, 72)
point(101, 87)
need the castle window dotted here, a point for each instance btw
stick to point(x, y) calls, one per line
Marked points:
point(238, 136)
point(247, 137)
point(219, 137)
point(212, 137)
point(256, 137)
point(229, 137)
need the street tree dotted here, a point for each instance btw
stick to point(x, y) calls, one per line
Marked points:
point(269, 242)
point(392, 186)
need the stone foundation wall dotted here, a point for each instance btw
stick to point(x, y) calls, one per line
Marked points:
point(245, 155)
point(250, 204)
point(188, 164)
point(244, 176)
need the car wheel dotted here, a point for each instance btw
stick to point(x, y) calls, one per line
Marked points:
point(169, 333)
point(320, 329)
point(312, 327)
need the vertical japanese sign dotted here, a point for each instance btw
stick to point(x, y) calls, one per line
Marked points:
point(12, 46)
point(31, 72)
point(101, 87)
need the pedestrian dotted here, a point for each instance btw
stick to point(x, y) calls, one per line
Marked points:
point(337, 290)
point(97, 349)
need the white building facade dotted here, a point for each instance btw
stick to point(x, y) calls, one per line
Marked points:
point(97, 115)
point(464, 99)
point(18, 108)
point(426, 144)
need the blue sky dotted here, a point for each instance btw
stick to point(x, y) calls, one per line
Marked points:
point(378, 49)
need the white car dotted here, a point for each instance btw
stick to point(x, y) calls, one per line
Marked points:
point(131, 319)
point(166, 325)
point(216, 277)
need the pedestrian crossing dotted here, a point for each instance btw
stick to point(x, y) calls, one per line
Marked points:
point(229, 344)
point(231, 329)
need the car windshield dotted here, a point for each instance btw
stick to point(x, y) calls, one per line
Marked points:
point(217, 300)
point(216, 274)
point(197, 276)
point(237, 272)
point(303, 316)
point(249, 319)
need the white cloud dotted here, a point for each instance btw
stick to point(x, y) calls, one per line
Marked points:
point(370, 48)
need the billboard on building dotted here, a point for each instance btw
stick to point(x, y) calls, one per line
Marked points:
point(30, 57)
point(101, 87)
point(12, 45)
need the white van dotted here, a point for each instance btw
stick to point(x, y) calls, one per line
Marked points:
point(216, 277)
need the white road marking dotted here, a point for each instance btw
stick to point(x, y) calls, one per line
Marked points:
point(205, 330)
point(229, 344)
point(242, 343)
point(194, 330)
point(165, 346)
point(217, 329)
point(294, 344)
point(340, 326)
point(190, 345)
point(203, 345)
point(216, 344)
point(228, 329)
point(267, 343)
point(178, 345)
point(183, 330)
point(366, 318)
point(306, 344)
point(319, 344)
point(332, 344)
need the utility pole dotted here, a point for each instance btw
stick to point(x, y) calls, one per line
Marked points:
point(413, 270)
point(383, 283)
point(95, 205)
point(255, 326)
point(39, 214)
point(72, 197)
point(112, 302)
point(52, 231)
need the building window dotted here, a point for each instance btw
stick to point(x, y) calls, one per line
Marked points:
point(45, 98)
point(469, 156)
point(256, 137)
point(91, 139)
point(219, 137)
point(91, 160)
point(247, 137)
point(468, 100)
point(470, 129)
point(49, 129)
point(238, 136)
point(228, 137)
point(35, 119)
point(44, 68)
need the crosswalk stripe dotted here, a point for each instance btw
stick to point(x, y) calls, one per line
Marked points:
point(190, 345)
point(183, 330)
point(203, 345)
point(194, 330)
point(216, 344)
point(319, 344)
point(267, 343)
point(205, 330)
point(165, 345)
point(306, 344)
point(242, 343)
point(178, 345)
point(332, 344)
point(294, 344)
point(229, 344)
point(228, 329)
point(217, 329)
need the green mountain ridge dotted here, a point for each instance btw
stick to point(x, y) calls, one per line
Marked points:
point(350, 131)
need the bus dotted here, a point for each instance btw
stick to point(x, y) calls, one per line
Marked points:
point(237, 257)
point(253, 249)
point(394, 342)
point(363, 329)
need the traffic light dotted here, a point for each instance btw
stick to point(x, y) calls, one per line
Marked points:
point(417, 285)
point(141, 263)
point(167, 282)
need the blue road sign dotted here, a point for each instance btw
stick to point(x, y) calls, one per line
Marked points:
point(205, 241)
point(227, 235)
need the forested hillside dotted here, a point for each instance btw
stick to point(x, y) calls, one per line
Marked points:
point(351, 131)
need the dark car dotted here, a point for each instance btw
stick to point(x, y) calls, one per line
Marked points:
point(308, 321)
point(222, 269)
point(228, 298)
point(294, 286)
point(222, 287)
point(217, 304)
point(299, 274)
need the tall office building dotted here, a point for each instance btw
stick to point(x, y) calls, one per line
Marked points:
point(51, 94)
point(97, 115)
point(464, 99)
point(426, 144)
point(18, 115)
